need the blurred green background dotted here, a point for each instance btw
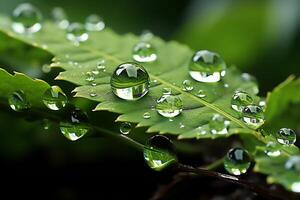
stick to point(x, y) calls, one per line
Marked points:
point(261, 37)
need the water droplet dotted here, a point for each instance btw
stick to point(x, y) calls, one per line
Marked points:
point(90, 77)
point(207, 67)
point(75, 129)
point(94, 23)
point(93, 94)
point(237, 161)
point(187, 86)
point(101, 65)
point(167, 91)
point(54, 98)
point(272, 149)
point(286, 136)
point(218, 125)
point(46, 124)
point(293, 163)
point(201, 130)
point(60, 17)
point(95, 72)
point(76, 33)
point(46, 68)
point(146, 115)
point(253, 115)
point(153, 83)
point(26, 19)
point(201, 94)
point(295, 187)
point(144, 52)
point(159, 153)
point(125, 128)
point(93, 84)
point(226, 85)
point(18, 101)
point(181, 125)
point(262, 103)
point(169, 105)
point(130, 81)
point(240, 100)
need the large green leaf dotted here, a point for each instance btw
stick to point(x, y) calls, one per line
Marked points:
point(170, 70)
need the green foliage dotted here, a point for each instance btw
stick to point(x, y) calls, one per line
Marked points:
point(169, 71)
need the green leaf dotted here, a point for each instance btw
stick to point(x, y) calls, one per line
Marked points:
point(33, 88)
point(170, 70)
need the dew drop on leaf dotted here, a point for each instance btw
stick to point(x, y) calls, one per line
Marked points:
point(144, 52)
point(187, 86)
point(130, 81)
point(240, 100)
point(218, 125)
point(237, 161)
point(169, 105)
point(60, 17)
point(46, 68)
point(293, 163)
point(201, 94)
point(46, 124)
point(146, 115)
point(286, 136)
point(272, 149)
point(75, 129)
point(253, 115)
point(76, 33)
point(207, 67)
point(125, 128)
point(159, 153)
point(167, 91)
point(94, 23)
point(18, 101)
point(90, 77)
point(26, 19)
point(54, 98)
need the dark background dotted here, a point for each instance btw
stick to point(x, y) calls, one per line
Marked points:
point(260, 37)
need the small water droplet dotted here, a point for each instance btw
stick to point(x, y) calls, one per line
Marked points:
point(262, 103)
point(218, 125)
point(93, 94)
point(125, 128)
point(253, 115)
point(26, 19)
point(146, 115)
point(93, 84)
point(207, 67)
point(54, 98)
point(46, 124)
point(159, 153)
point(144, 52)
point(201, 130)
point(76, 33)
point(237, 161)
point(130, 81)
point(18, 101)
point(226, 85)
point(153, 83)
point(286, 136)
point(201, 94)
point(240, 100)
point(75, 129)
point(272, 149)
point(169, 105)
point(46, 68)
point(94, 23)
point(60, 17)
point(95, 72)
point(293, 163)
point(167, 91)
point(187, 86)
point(90, 77)
point(181, 125)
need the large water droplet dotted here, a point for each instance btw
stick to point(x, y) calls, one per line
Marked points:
point(75, 129)
point(293, 163)
point(130, 81)
point(237, 161)
point(272, 149)
point(60, 17)
point(26, 19)
point(125, 128)
point(187, 86)
point(218, 125)
point(18, 101)
point(169, 105)
point(159, 153)
point(286, 136)
point(54, 98)
point(207, 67)
point(94, 23)
point(144, 52)
point(240, 100)
point(76, 33)
point(253, 115)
